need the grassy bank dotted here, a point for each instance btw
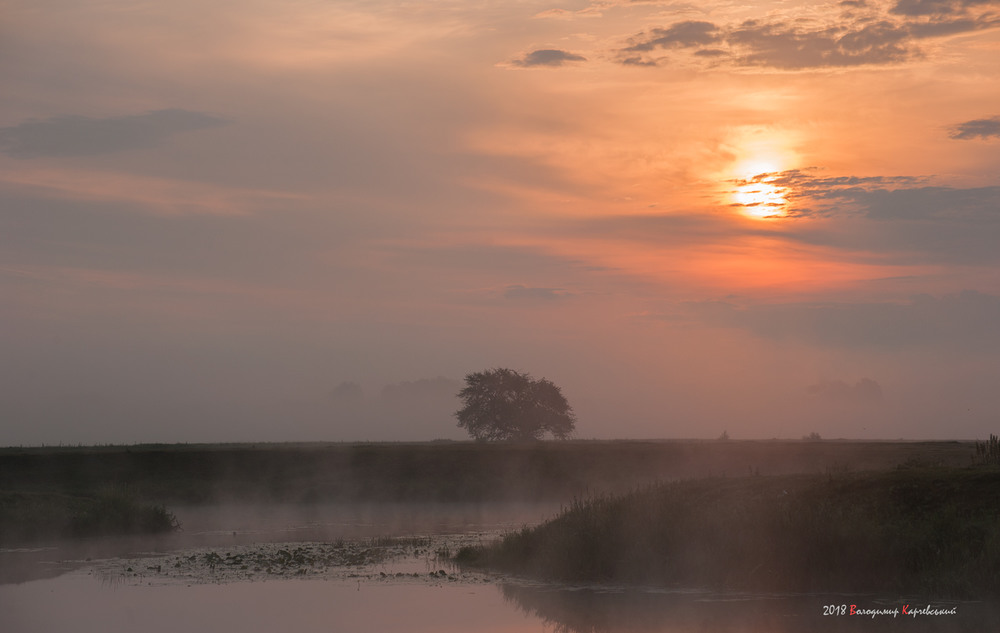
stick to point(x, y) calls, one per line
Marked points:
point(929, 530)
point(40, 516)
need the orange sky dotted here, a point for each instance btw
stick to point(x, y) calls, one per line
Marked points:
point(216, 221)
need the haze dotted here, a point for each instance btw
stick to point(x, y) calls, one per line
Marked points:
point(257, 221)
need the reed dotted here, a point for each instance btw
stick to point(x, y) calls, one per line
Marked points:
point(988, 452)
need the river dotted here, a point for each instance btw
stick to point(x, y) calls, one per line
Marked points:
point(376, 568)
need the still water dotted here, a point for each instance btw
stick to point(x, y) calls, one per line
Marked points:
point(144, 587)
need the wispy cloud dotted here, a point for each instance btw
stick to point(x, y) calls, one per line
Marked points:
point(87, 136)
point(160, 196)
point(518, 291)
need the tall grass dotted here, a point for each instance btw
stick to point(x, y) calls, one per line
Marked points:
point(113, 511)
point(930, 530)
point(988, 452)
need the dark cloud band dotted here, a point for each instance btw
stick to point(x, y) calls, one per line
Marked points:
point(855, 39)
point(548, 57)
point(977, 128)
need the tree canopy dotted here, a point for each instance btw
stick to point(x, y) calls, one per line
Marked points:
point(502, 404)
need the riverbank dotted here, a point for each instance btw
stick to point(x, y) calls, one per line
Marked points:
point(932, 530)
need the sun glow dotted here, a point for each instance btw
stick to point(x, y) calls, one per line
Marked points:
point(755, 192)
point(760, 199)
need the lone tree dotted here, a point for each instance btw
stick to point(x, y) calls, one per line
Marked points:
point(505, 405)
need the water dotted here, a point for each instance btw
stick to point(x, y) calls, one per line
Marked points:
point(80, 603)
point(174, 584)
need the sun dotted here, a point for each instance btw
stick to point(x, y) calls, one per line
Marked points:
point(756, 194)
point(760, 199)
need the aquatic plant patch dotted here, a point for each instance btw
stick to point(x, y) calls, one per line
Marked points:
point(408, 559)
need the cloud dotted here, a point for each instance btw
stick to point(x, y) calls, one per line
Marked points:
point(526, 292)
point(710, 52)
point(976, 205)
point(118, 189)
point(636, 60)
point(86, 136)
point(851, 39)
point(977, 128)
point(681, 34)
point(904, 220)
point(785, 46)
point(872, 221)
point(865, 390)
point(882, 197)
point(920, 8)
point(547, 57)
point(563, 14)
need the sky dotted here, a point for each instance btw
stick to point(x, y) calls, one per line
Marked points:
point(309, 220)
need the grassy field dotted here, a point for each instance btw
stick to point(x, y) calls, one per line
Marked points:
point(933, 530)
point(439, 471)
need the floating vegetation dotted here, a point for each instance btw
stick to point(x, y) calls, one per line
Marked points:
point(382, 558)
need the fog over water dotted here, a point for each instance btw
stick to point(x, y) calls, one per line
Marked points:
point(119, 586)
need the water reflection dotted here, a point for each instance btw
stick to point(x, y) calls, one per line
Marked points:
point(80, 603)
point(387, 597)
point(434, 603)
point(603, 610)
